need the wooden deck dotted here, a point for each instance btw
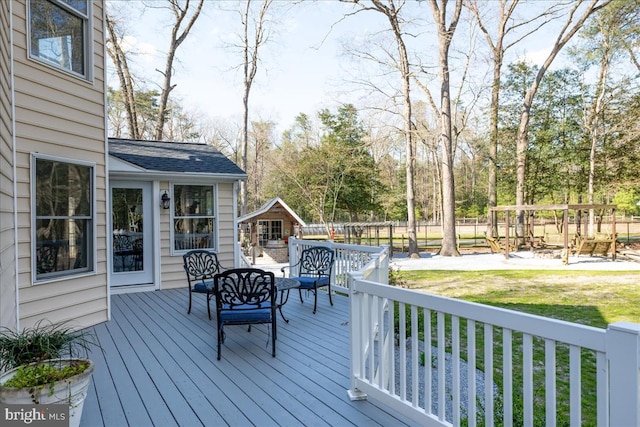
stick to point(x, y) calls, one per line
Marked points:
point(158, 367)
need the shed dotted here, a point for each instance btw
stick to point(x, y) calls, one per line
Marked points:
point(267, 230)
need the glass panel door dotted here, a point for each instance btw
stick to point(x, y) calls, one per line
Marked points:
point(131, 233)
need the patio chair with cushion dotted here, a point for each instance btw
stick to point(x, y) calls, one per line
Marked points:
point(201, 266)
point(245, 296)
point(314, 272)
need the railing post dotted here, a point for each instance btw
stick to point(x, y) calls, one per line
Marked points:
point(355, 337)
point(623, 354)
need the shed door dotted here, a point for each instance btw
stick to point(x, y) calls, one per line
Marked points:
point(132, 234)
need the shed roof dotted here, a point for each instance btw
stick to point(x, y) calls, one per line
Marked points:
point(267, 206)
point(174, 157)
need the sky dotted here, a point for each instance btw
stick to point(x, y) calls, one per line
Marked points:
point(302, 69)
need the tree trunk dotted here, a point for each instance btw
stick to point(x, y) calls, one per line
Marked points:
point(391, 12)
point(250, 68)
point(180, 14)
point(449, 239)
point(119, 58)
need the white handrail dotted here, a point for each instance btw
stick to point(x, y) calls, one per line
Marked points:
point(615, 352)
point(517, 355)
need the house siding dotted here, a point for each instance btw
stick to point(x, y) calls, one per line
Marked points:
point(60, 115)
point(8, 291)
point(172, 273)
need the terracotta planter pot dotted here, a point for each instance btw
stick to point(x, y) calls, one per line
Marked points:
point(72, 390)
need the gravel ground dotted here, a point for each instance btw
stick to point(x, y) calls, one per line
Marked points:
point(464, 380)
point(523, 260)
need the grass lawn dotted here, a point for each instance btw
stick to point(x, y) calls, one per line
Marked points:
point(594, 298)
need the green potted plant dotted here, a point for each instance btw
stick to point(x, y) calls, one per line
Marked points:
point(46, 364)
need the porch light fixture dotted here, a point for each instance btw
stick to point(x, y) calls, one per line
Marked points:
point(166, 200)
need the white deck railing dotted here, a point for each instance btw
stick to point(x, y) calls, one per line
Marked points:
point(484, 365)
point(348, 258)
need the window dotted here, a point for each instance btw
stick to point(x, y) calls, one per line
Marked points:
point(63, 218)
point(269, 230)
point(59, 33)
point(193, 217)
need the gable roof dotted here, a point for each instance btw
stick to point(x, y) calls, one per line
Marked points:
point(149, 157)
point(268, 205)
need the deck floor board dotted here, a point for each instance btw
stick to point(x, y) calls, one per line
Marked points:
point(158, 367)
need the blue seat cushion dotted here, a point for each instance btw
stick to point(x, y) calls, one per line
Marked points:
point(308, 282)
point(203, 286)
point(245, 313)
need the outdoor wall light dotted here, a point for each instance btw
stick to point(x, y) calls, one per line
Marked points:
point(166, 200)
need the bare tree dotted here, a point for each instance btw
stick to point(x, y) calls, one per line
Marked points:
point(574, 22)
point(254, 35)
point(262, 136)
point(445, 36)
point(391, 10)
point(115, 50)
point(498, 46)
point(181, 26)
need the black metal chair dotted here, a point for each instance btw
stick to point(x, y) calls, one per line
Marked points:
point(47, 257)
point(123, 250)
point(245, 296)
point(314, 272)
point(201, 266)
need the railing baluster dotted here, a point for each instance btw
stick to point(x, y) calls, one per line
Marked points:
point(455, 361)
point(575, 387)
point(403, 351)
point(383, 355)
point(602, 388)
point(392, 343)
point(507, 377)
point(471, 372)
point(427, 360)
point(370, 337)
point(442, 387)
point(488, 374)
point(550, 382)
point(527, 378)
point(415, 357)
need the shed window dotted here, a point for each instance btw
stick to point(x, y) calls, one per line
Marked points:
point(63, 217)
point(269, 230)
point(59, 34)
point(194, 220)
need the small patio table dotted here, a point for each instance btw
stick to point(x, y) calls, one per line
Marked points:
point(285, 284)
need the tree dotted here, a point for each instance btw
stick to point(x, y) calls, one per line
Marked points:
point(605, 42)
point(184, 19)
point(261, 137)
point(119, 57)
point(445, 35)
point(392, 12)
point(254, 35)
point(333, 179)
point(180, 11)
point(344, 139)
point(568, 30)
point(498, 46)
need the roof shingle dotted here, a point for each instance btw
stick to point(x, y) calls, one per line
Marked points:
point(173, 156)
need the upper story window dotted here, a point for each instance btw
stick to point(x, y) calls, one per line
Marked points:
point(59, 34)
point(63, 217)
point(194, 219)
